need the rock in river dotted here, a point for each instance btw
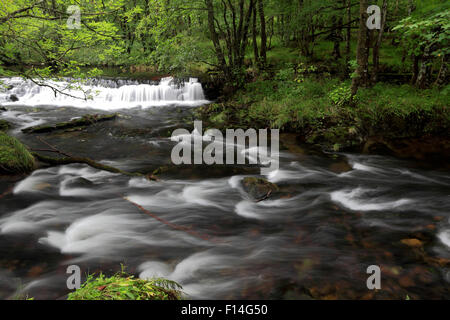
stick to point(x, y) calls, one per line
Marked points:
point(258, 188)
point(79, 182)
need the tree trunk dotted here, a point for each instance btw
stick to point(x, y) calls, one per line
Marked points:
point(215, 39)
point(376, 48)
point(441, 79)
point(255, 43)
point(425, 70)
point(415, 71)
point(337, 37)
point(349, 28)
point(262, 18)
point(362, 54)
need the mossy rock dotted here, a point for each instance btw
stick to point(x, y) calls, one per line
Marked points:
point(14, 156)
point(258, 188)
point(4, 125)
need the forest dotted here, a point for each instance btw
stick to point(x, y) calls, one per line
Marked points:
point(92, 91)
point(239, 48)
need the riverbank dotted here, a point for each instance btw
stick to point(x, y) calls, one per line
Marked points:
point(386, 119)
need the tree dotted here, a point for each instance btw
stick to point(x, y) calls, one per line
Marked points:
point(361, 78)
point(426, 35)
point(233, 29)
point(376, 48)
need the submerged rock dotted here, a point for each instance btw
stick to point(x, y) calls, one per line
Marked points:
point(414, 243)
point(79, 182)
point(258, 188)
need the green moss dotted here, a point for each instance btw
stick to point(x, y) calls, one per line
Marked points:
point(4, 125)
point(14, 156)
point(125, 287)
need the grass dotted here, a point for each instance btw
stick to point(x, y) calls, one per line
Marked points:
point(14, 156)
point(319, 106)
point(122, 286)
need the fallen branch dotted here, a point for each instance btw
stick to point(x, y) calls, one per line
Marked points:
point(53, 149)
point(87, 161)
point(86, 120)
point(68, 159)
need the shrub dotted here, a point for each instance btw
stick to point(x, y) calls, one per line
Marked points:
point(341, 96)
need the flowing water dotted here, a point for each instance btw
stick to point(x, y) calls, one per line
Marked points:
point(336, 214)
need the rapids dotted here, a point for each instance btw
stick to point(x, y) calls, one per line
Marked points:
point(337, 215)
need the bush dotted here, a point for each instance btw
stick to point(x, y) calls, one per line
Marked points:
point(14, 156)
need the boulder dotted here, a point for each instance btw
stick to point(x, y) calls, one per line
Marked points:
point(258, 188)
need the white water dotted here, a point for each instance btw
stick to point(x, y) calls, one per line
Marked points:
point(104, 95)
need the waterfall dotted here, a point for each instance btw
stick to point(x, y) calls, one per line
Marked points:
point(103, 93)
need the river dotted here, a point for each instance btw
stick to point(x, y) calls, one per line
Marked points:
point(337, 214)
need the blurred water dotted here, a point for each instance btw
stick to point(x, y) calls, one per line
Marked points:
point(313, 240)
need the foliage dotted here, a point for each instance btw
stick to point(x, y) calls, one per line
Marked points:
point(317, 105)
point(342, 96)
point(125, 287)
point(429, 30)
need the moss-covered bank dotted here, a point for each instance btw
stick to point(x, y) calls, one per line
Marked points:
point(14, 156)
point(321, 111)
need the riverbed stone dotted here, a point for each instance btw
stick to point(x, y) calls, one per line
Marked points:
point(259, 188)
point(414, 243)
point(79, 182)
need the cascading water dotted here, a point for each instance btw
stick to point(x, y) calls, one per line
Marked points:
point(104, 94)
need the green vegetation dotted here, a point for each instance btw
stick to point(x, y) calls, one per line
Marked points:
point(4, 125)
point(323, 109)
point(125, 287)
point(309, 67)
point(14, 156)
